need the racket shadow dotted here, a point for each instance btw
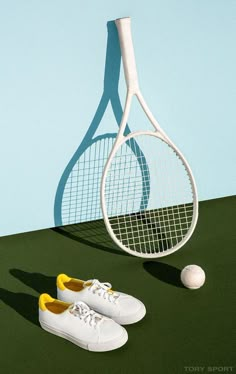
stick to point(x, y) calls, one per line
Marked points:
point(92, 234)
point(164, 272)
point(77, 197)
point(73, 204)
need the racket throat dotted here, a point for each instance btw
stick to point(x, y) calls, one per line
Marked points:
point(133, 86)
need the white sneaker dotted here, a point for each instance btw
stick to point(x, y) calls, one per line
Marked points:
point(80, 325)
point(123, 308)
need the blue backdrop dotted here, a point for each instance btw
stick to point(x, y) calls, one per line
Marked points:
point(52, 78)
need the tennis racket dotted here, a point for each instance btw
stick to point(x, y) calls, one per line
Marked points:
point(167, 219)
point(77, 197)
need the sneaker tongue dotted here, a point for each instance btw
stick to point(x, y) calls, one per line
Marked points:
point(79, 306)
point(82, 309)
point(105, 286)
point(88, 283)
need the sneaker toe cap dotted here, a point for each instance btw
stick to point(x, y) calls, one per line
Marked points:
point(130, 305)
point(110, 330)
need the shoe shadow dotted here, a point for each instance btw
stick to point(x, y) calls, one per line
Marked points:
point(164, 272)
point(24, 304)
point(39, 282)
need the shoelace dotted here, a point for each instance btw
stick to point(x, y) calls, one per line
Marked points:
point(102, 289)
point(83, 312)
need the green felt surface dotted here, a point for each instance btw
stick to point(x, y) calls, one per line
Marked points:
point(182, 328)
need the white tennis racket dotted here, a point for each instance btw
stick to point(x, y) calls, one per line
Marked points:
point(148, 214)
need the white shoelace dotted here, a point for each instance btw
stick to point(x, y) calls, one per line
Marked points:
point(83, 312)
point(102, 289)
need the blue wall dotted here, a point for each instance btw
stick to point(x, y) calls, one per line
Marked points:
point(51, 81)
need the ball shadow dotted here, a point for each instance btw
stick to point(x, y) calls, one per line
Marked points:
point(164, 272)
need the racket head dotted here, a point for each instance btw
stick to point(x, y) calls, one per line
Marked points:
point(150, 214)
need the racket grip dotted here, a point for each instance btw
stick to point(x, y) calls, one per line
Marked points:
point(127, 51)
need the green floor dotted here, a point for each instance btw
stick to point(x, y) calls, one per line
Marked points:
point(182, 331)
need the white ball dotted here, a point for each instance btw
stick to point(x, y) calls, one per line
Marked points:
point(193, 277)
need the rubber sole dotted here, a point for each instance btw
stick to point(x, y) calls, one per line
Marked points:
point(93, 347)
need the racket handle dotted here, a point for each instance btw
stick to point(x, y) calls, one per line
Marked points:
point(127, 51)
